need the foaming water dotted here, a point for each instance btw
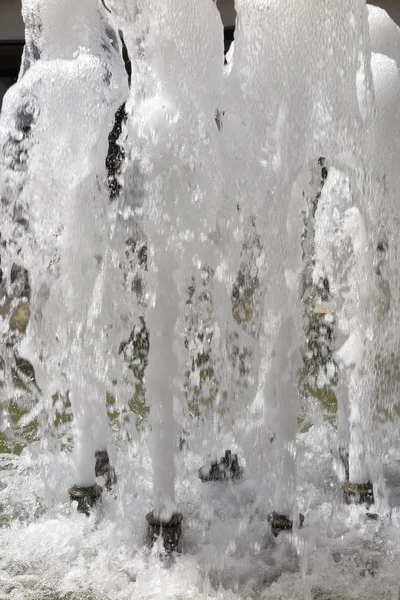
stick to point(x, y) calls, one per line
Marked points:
point(50, 550)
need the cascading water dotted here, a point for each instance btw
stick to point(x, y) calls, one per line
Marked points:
point(194, 257)
point(65, 256)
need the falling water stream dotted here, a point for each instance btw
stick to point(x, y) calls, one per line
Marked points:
point(200, 253)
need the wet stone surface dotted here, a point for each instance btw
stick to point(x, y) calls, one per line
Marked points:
point(358, 493)
point(281, 522)
point(103, 468)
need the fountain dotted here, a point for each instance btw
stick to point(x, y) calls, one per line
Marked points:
point(199, 253)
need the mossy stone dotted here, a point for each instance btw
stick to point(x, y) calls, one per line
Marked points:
point(20, 318)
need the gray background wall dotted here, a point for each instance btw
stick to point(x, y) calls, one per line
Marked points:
point(392, 7)
point(11, 25)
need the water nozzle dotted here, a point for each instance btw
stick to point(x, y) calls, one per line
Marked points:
point(170, 530)
point(86, 497)
point(227, 468)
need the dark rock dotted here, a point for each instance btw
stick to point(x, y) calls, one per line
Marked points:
point(281, 523)
point(20, 281)
point(116, 154)
point(227, 468)
point(344, 457)
point(183, 440)
point(358, 493)
point(104, 469)
point(25, 367)
point(135, 351)
point(372, 516)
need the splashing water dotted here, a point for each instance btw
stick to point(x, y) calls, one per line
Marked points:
point(194, 256)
